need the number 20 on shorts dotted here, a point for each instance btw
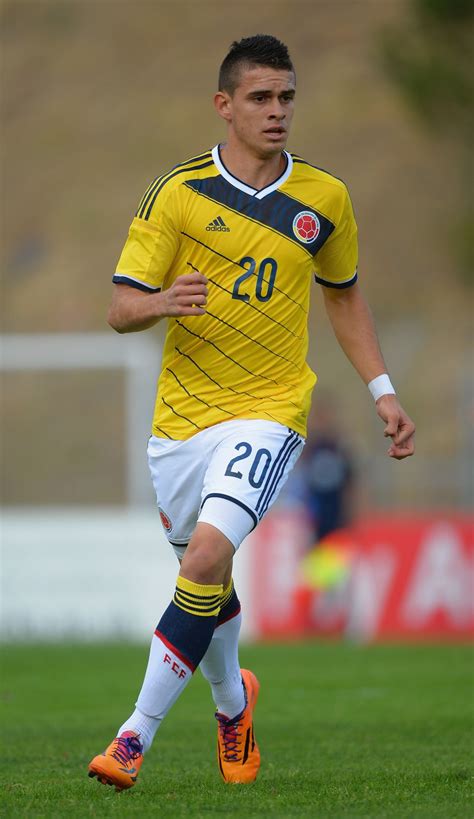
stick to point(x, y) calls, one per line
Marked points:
point(258, 469)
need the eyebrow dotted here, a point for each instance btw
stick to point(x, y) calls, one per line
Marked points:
point(266, 92)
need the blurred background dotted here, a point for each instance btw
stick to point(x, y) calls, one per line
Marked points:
point(98, 98)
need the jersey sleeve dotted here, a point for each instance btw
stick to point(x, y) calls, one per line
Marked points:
point(151, 246)
point(336, 262)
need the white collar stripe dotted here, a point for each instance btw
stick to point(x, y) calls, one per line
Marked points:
point(278, 182)
point(241, 186)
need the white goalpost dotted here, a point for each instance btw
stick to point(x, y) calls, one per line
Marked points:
point(137, 355)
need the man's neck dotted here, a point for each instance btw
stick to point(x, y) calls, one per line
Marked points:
point(255, 171)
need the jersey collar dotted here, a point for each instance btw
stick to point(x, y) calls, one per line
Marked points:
point(237, 183)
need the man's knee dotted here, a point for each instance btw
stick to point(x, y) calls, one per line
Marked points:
point(208, 555)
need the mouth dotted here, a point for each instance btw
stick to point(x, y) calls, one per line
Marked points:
point(276, 131)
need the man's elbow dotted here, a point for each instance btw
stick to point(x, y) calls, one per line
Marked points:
point(114, 321)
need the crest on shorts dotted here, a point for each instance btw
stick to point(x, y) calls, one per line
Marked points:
point(306, 226)
point(165, 520)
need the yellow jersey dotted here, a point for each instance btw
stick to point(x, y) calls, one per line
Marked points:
point(259, 250)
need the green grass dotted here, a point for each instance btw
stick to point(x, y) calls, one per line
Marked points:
point(382, 731)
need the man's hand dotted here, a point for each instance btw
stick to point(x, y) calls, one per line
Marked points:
point(187, 296)
point(399, 427)
point(131, 310)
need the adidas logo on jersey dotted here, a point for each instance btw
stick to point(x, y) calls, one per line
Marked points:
point(218, 224)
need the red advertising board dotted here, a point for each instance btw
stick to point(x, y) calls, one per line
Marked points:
point(396, 578)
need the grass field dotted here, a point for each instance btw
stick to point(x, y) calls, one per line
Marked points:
point(383, 731)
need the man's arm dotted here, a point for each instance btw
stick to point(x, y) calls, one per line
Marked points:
point(355, 331)
point(132, 310)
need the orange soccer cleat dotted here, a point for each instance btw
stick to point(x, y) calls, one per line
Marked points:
point(237, 751)
point(120, 763)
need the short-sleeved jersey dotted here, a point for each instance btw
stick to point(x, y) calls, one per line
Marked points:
point(259, 249)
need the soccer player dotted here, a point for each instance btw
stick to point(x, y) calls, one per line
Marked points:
point(225, 246)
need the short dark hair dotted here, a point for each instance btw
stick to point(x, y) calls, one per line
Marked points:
point(261, 49)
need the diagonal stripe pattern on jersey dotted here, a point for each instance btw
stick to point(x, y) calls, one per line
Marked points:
point(246, 356)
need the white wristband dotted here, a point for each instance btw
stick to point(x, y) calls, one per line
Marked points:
point(381, 386)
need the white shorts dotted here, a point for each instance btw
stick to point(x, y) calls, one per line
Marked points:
point(228, 475)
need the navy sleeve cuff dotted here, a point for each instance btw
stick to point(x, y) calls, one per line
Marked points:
point(337, 285)
point(135, 283)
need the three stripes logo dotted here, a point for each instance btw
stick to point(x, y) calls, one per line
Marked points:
point(218, 224)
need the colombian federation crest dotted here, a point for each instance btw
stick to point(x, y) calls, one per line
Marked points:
point(165, 520)
point(306, 226)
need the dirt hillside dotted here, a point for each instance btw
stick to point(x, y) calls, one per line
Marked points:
point(99, 97)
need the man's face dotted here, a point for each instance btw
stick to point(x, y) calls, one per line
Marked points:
point(260, 111)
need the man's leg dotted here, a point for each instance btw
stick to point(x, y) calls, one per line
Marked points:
point(220, 664)
point(186, 628)
point(180, 641)
point(235, 690)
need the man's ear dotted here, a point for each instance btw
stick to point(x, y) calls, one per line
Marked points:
point(223, 105)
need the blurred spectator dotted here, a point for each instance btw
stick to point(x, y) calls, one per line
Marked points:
point(323, 479)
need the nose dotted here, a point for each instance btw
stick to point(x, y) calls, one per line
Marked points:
point(277, 111)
